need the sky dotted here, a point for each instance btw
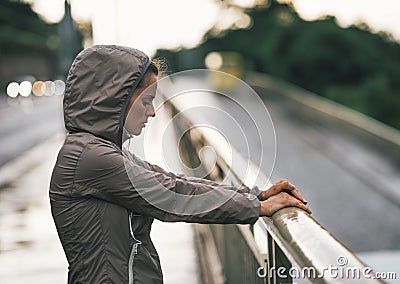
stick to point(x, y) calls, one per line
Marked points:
point(152, 24)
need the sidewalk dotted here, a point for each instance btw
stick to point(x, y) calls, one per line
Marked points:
point(30, 251)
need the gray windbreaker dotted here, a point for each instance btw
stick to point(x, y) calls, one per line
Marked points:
point(102, 221)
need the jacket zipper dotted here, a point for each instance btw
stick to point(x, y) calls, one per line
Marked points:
point(134, 250)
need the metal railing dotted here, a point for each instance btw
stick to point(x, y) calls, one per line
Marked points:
point(289, 246)
point(386, 136)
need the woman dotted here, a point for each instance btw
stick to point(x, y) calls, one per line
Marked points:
point(102, 220)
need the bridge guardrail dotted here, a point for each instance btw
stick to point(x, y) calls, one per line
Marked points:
point(290, 245)
point(381, 131)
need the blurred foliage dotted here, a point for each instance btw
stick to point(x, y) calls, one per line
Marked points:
point(24, 32)
point(20, 26)
point(352, 66)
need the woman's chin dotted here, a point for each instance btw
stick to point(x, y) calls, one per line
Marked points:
point(134, 131)
point(137, 132)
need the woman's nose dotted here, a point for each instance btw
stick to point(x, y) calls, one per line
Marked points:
point(150, 111)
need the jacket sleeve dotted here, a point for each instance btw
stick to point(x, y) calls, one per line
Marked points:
point(103, 172)
point(243, 189)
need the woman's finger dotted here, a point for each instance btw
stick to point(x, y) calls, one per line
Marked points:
point(279, 201)
point(285, 186)
point(296, 202)
point(295, 193)
point(282, 185)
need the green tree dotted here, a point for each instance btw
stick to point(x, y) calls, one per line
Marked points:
point(19, 25)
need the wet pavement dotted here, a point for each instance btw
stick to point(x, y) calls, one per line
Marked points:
point(26, 122)
point(29, 248)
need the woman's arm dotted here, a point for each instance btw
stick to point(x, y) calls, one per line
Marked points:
point(243, 189)
point(279, 195)
point(102, 172)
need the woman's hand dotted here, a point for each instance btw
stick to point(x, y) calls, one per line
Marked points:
point(279, 195)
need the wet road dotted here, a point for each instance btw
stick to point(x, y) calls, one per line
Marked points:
point(26, 122)
point(29, 248)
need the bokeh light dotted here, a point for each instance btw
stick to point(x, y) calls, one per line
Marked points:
point(13, 89)
point(25, 88)
point(48, 88)
point(214, 61)
point(59, 87)
point(37, 88)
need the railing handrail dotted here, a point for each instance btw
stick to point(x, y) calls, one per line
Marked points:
point(329, 107)
point(303, 240)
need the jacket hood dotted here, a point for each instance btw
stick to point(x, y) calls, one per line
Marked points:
point(99, 85)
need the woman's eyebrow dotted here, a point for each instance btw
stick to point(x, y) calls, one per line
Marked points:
point(149, 96)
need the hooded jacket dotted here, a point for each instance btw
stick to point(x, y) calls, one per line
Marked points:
point(102, 220)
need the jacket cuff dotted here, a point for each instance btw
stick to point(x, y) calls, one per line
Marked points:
point(257, 192)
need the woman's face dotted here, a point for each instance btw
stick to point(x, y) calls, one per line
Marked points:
point(140, 107)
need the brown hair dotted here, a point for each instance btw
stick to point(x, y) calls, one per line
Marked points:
point(156, 66)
